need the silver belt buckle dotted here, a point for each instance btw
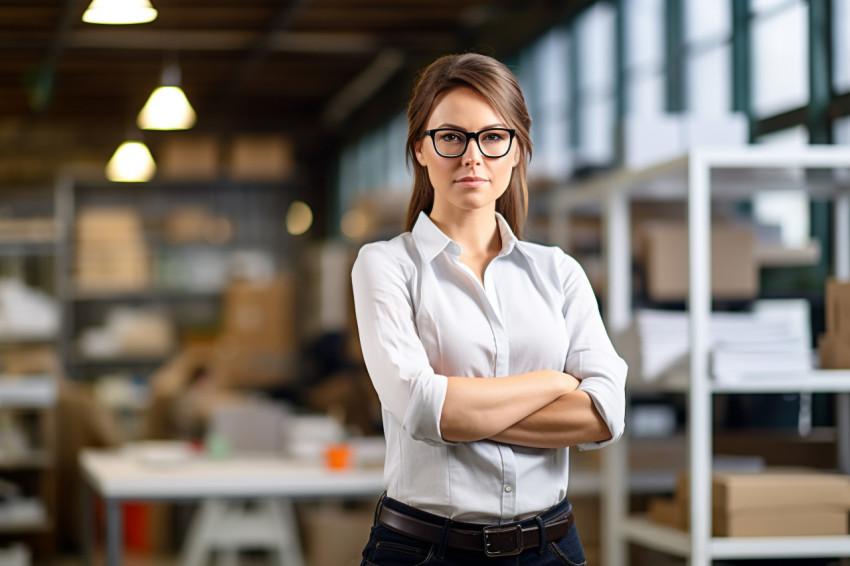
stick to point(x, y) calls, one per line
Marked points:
point(495, 529)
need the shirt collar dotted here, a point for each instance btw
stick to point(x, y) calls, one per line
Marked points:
point(431, 241)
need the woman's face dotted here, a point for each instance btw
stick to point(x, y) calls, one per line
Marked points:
point(471, 181)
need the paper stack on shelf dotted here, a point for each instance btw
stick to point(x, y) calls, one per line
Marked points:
point(774, 338)
point(776, 341)
point(26, 312)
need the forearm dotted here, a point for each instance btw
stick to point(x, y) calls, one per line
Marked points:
point(476, 408)
point(570, 420)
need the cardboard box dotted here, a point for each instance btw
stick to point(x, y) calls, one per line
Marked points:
point(837, 311)
point(261, 158)
point(111, 252)
point(350, 527)
point(755, 523)
point(777, 502)
point(668, 511)
point(734, 272)
point(104, 222)
point(189, 157)
point(791, 521)
point(257, 346)
point(834, 351)
point(779, 487)
point(588, 515)
point(261, 314)
point(834, 344)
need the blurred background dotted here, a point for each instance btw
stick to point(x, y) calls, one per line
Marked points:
point(184, 186)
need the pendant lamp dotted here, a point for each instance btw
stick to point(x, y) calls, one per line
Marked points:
point(167, 107)
point(132, 162)
point(119, 12)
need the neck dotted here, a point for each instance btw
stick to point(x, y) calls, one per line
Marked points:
point(476, 231)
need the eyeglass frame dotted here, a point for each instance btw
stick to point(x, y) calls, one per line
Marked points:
point(470, 135)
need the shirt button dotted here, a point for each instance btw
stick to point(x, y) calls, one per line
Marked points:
point(508, 488)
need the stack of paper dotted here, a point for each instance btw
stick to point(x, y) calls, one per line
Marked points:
point(774, 338)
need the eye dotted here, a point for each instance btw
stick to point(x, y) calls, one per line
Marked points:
point(495, 136)
point(449, 137)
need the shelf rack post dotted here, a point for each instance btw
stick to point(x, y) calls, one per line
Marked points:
point(699, 396)
point(617, 246)
point(842, 273)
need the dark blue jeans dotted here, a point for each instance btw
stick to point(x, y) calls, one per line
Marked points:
point(389, 548)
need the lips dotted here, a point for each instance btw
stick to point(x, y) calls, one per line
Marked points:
point(471, 181)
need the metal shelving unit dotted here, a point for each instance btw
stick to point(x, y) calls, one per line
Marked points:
point(700, 177)
point(29, 250)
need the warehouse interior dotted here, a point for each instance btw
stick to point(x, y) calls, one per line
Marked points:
point(181, 380)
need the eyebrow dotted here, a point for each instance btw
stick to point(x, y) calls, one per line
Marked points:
point(456, 127)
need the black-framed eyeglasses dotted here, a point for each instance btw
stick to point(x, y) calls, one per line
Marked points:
point(492, 142)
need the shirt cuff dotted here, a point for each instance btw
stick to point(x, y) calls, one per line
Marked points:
point(425, 407)
point(615, 426)
point(603, 378)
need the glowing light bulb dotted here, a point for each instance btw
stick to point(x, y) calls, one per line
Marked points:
point(132, 162)
point(119, 12)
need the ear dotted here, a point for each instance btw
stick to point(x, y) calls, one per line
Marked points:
point(420, 157)
point(516, 157)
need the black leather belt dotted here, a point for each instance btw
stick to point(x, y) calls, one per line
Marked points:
point(492, 540)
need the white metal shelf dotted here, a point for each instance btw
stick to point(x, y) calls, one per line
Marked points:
point(813, 381)
point(702, 176)
point(17, 338)
point(30, 391)
point(34, 459)
point(667, 539)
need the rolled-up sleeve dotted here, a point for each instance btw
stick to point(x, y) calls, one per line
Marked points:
point(395, 358)
point(591, 356)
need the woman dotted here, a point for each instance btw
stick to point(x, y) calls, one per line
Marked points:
point(488, 353)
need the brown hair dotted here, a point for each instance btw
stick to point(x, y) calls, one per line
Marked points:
point(495, 82)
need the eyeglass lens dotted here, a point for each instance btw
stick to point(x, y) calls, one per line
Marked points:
point(453, 143)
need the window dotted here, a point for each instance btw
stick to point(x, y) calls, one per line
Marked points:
point(780, 47)
point(644, 42)
point(708, 30)
point(596, 89)
point(789, 210)
point(399, 176)
point(841, 45)
point(842, 131)
point(546, 85)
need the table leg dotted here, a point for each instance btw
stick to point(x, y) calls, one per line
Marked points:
point(87, 523)
point(114, 532)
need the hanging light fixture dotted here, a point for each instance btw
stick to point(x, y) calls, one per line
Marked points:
point(132, 162)
point(119, 12)
point(167, 108)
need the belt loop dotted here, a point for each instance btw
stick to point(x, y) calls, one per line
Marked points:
point(378, 508)
point(444, 539)
point(542, 529)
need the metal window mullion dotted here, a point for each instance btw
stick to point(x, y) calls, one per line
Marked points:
point(820, 72)
point(674, 46)
point(741, 62)
point(573, 72)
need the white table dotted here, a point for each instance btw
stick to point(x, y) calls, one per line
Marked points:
point(121, 476)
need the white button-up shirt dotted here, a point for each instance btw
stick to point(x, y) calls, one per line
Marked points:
point(423, 315)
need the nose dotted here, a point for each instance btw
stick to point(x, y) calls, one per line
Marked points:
point(472, 153)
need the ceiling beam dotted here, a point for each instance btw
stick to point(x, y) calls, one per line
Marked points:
point(262, 48)
point(362, 87)
point(216, 40)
